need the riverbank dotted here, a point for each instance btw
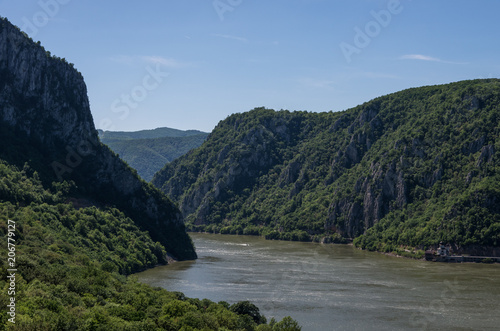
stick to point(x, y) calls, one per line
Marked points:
point(299, 236)
point(327, 287)
point(325, 239)
point(401, 252)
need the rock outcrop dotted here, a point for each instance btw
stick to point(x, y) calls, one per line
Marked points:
point(44, 99)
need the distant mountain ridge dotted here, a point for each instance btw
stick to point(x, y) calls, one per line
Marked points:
point(148, 134)
point(409, 169)
point(148, 151)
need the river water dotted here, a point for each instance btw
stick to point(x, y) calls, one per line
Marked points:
point(336, 287)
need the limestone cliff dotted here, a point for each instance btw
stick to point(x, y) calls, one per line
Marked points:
point(44, 104)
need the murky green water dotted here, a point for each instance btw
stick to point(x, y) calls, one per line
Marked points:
point(336, 287)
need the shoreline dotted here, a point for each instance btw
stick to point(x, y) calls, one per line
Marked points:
point(465, 258)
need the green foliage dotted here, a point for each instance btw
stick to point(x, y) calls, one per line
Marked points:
point(84, 188)
point(287, 324)
point(71, 263)
point(147, 134)
point(249, 309)
point(399, 173)
point(76, 240)
point(148, 151)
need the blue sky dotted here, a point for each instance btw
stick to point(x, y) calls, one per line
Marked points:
point(189, 64)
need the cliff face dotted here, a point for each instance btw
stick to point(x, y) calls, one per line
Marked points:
point(44, 104)
point(237, 153)
point(404, 167)
point(40, 94)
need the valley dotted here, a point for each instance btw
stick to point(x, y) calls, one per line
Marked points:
point(84, 220)
point(129, 230)
point(148, 151)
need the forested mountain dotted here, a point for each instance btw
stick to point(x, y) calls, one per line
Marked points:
point(77, 219)
point(411, 169)
point(147, 134)
point(46, 121)
point(148, 151)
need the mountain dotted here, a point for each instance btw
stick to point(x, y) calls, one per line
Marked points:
point(406, 170)
point(46, 121)
point(147, 134)
point(76, 220)
point(148, 151)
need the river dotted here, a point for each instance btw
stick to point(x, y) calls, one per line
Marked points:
point(336, 287)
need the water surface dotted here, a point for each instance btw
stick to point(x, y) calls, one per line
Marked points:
point(336, 287)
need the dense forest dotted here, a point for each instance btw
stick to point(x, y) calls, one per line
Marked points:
point(75, 220)
point(148, 151)
point(72, 262)
point(406, 170)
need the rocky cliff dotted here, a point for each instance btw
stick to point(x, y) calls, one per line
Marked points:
point(40, 94)
point(45, 115)
point(400, 170)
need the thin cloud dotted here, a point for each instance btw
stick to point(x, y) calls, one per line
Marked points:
point(370, 74)
point(166, 62)
point(420, 57)
point(316, 83)
point(130, 60)
point(123, 59)
point(227, 36)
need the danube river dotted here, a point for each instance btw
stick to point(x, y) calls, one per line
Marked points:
point(336, 287)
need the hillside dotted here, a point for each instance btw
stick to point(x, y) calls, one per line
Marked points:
point(408, 169)
point(75, 220)
point(46, 121)
point(148, 151)
point(147, 134)
point(70, 265)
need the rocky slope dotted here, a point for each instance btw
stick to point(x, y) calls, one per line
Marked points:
point(408, 169)
point(46, 121)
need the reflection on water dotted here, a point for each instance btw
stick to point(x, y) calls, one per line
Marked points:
point(336, 287)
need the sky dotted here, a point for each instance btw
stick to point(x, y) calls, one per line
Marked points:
point(188, 64)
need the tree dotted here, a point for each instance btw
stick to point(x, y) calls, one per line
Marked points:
point(248, 308)
point(287, 324)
